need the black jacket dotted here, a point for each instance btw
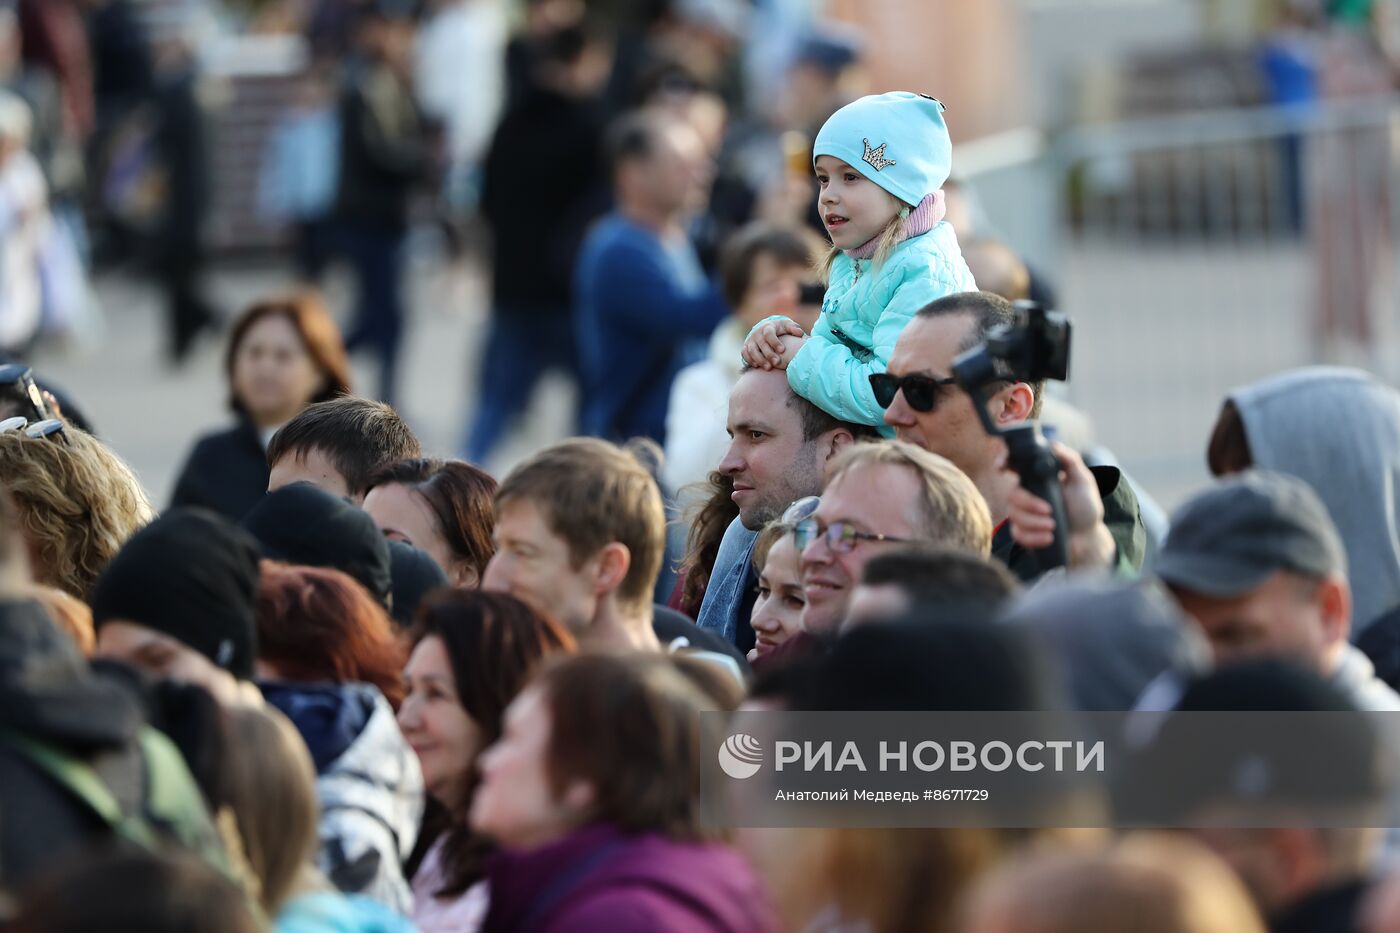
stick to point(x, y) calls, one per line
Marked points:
point(226, 473)
point(384, 153)
point(543, 183)
point(48, 696)
point(1331, 910)
point(1120, 513)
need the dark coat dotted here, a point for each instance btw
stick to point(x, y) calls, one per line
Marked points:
point(599, 879)
point(48, 696)
point(384, 153)
point(1331, 910)
point(1120, 513)
point(669, 625)
point(542, 185)
point(226, 472)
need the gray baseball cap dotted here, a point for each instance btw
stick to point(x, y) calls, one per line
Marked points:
point(1227, 540)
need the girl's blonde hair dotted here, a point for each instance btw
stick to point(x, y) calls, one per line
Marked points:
point(78, 503)
point(885, 242)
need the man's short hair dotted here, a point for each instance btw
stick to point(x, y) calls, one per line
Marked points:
point(934, 575)
point(954, 512)
point(988, 312)
point(592, 493)
point(742, 251)
point(817, 421)
point(633, 137)
point(357, 435)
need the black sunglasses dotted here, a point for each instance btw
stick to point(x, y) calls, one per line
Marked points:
point(921, 392)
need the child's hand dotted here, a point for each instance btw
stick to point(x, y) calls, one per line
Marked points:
point(765, 347)
point(791, 345)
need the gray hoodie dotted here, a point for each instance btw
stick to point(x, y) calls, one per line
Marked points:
point(1338, 430)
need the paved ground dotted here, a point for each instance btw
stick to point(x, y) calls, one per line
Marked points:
point(152, 413)
point(1161, 335)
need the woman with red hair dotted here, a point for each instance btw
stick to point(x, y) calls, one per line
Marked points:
point(283, 354)
point(329, 659)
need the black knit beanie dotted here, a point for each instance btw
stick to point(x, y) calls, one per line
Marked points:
point(301, 524)
point(415, 575)
point(192, 575)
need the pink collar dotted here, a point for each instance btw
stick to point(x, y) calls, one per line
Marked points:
point(921, 219)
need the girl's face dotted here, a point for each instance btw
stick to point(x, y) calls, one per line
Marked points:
point(442, 734)
point(777, 612)
point(515, 803)
point(404, 515)
point(853, 208)
point(273, 375)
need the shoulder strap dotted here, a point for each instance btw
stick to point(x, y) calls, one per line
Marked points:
point(82, 781)
point(173, 802)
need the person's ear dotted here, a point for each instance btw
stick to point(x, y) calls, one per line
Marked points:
point(1334, 603)
point(464, 576)
point(613, 562)
point(579, 798)
point(1014, 404)
point(840, 438)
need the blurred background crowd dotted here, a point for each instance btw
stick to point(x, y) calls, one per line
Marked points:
point(432, 168)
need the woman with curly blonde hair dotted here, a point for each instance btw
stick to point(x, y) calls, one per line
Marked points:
point(77, 503)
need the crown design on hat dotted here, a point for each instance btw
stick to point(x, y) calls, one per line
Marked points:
point(876, 157)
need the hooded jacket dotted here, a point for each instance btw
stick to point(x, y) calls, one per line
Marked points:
point(367, 782)
point(864, 312)
point(1338, 430)
point(52, 706)
point(599, 879)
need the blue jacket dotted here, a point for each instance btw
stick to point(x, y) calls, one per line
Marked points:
point(638, 301)
point(329, 912)
point(728, 598)
point(863, 315)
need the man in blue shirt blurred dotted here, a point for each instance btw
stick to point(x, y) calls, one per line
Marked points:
point(642, 298)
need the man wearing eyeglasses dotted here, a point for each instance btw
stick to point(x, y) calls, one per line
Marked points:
point(926, 408)
point(880, 496)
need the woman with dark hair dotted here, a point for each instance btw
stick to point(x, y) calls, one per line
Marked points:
point(283, 354)
point(328, 658)
point(593, 794)
point(443, 507)
point(709, 520)
point(473, 652)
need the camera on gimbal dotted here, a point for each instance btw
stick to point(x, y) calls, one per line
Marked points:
point(1033, 349)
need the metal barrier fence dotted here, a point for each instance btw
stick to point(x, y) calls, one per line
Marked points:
point(1200, 252)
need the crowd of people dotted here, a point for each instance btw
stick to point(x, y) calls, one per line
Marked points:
point(341, 683)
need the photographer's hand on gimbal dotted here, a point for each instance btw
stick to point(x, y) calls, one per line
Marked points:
point(1090, 544)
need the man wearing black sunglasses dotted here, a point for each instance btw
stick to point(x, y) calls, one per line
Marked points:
point(925, 406)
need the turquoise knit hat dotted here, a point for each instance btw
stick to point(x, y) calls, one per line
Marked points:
point(897, 140)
